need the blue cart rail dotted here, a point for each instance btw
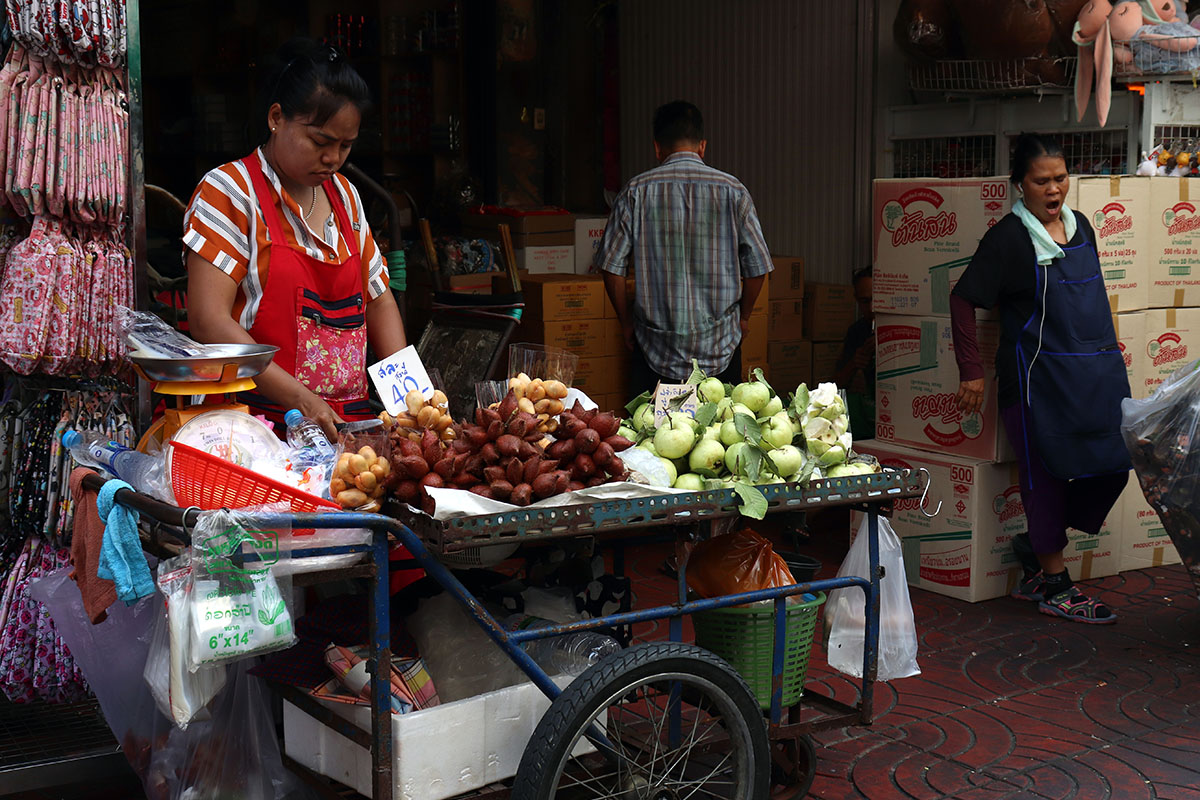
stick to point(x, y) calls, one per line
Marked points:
point(426, 538)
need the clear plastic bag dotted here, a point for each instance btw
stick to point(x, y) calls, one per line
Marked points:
point(233, 754)
point(145, 334)
point(1160, 433)
point(181, 695)
point(845, 612)
point(239, 606)
point(359, 476)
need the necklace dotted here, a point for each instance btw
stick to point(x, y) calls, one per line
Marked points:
point(312, 205)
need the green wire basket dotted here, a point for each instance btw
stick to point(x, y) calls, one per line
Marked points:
point(745, 637)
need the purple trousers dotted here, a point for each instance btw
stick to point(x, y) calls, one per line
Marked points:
point(1052, 504)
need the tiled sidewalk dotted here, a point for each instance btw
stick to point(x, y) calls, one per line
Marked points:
point(1012, 703)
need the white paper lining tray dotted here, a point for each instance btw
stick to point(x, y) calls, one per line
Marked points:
point(230, 362)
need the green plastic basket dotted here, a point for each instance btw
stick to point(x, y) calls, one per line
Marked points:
point(745, 637)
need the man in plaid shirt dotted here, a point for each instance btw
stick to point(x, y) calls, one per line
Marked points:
point(692, 236)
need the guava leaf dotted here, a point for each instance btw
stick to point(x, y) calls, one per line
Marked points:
point(728, 389)
point(704, 472)
point(804, 478)
point(705, 415)
point(640, 400)
point(757, 373)
point(770, 463)
point(754, 460)
point(697, 375)
point(754, 502)
point(676, 403)
point(748, 427)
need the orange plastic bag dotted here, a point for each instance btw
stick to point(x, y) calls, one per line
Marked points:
point(742, 561)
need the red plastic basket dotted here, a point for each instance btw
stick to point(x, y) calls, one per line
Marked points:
point(208, 482)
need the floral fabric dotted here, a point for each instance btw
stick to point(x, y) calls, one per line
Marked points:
point(331, 361)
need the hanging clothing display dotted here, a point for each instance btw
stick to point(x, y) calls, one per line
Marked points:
point(86, 32)
point(36, 523)
point(66, 133)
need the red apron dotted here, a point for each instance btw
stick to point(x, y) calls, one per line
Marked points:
point(314, 312)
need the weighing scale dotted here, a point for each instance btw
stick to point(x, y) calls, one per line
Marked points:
point(231, 369)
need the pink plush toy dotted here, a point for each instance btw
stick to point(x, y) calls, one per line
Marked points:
point(1104, 33)
point(1094, 42)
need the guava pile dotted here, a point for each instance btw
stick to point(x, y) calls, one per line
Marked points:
point(746, 435)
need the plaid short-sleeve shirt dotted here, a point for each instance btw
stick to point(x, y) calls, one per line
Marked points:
point(691, 235)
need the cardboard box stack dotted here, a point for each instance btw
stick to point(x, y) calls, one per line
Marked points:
point(788, 353)
point(965, 551)
point(829, 310)
point(572, 312)
point(1147, 233)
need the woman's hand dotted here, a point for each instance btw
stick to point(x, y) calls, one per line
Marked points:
point(319, 411)
point(970, 396)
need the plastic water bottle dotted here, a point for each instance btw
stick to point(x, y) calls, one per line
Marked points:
point(570, 654)
point(141, 471)
point(305, 434)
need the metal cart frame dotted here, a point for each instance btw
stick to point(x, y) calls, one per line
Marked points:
point(425, 538)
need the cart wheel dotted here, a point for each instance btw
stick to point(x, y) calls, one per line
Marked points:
point(722, 750)
point(793, 767)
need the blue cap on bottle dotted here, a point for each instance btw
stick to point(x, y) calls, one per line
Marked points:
point(71, 438)
point(293, 417)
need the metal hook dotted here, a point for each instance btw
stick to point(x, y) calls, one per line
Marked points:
point(183, 520)
point(925, 495)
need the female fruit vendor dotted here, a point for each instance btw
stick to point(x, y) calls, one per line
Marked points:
point(1061, 375)
point(279, 251)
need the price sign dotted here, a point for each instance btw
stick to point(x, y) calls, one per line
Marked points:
point(397, 375)
point(670, 397)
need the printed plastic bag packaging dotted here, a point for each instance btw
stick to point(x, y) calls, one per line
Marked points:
point(240, 605)
point(845, 613)
point(741, 561)
point(181, 695)
point(235, 753)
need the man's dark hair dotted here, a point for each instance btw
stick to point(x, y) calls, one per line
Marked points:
point(859, 274)
point(678, 121)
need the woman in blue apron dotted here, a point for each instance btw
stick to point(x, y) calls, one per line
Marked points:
point(1060, 374)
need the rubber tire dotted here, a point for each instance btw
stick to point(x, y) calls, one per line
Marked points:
point(802, 768)
point(554, 736)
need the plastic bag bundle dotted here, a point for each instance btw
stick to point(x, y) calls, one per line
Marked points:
point(234, 752)
point(845, 612)
point(1161, 434)
point(181, 695)
point(240, 603)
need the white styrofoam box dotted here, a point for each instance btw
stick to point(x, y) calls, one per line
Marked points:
point(1119, 210)
point(1174, 257)
point(546, 259)
point(1156, 343)
point(437, 752)
point(588, 232)
point(916, 385)
point(926, 230)
point(966, 550)
point(1144, 540)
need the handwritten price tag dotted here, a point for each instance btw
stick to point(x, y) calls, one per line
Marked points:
point(670, 397)
point(397, 375)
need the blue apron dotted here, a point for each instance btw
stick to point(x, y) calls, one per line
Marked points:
point(1072, 373)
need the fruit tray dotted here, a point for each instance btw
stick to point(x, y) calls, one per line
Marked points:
point(617, 516)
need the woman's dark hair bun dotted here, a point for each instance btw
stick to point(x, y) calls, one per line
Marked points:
point(313, 80)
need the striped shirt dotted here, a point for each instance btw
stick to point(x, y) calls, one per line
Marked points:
point(224, 225)
point(691, 235)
